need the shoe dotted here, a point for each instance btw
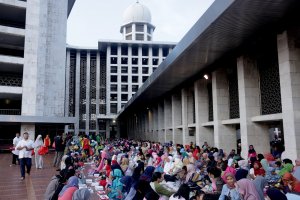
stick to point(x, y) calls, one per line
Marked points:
point(22, 178)
point(58, 170)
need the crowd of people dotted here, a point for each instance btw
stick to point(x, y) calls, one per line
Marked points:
point(133, 170)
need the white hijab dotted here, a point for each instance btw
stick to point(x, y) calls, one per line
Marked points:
point(39, 141)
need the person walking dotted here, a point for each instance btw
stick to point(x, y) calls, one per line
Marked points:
point(25, 147)
point(15, 152)
point(38, 158)
point(59, 150)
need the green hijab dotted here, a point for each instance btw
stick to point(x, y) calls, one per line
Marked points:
point(288, 167)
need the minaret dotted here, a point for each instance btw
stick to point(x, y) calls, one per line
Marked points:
point(137, 23)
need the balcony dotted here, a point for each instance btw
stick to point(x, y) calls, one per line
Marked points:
point(10, 111)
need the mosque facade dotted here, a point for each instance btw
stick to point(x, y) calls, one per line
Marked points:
point(101, 80)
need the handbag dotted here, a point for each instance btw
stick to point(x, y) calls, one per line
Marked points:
point(42, 151)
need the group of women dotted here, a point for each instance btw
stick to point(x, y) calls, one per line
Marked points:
point(134, 170)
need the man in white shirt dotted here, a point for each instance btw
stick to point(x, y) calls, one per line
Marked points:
point(15, 152)
point(25, 147)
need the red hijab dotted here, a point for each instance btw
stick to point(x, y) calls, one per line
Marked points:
point(260, 171)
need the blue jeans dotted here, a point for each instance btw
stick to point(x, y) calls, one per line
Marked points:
point(25, 162)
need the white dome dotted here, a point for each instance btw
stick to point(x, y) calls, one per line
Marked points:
point(137, 13)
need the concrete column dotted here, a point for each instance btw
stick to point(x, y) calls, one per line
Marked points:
point(108, 55)
point(224, 135)
point(203, 134)
point(177, 119)
point(107, 130)
point(77, 92)
point(155, 124)
point(161, 123)
point(150, 120)
point(289, 70)
point(187, 114)
point(30, 129)
point(87, 92)
point(249, 102)
point(97, 89)
point(168, 119)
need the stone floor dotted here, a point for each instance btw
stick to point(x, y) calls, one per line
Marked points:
point(32, 188)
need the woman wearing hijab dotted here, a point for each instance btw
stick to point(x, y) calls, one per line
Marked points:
point(263, 161)
point(287, 168)
point(67, 192)
point(247, 190)
point(124, 164)
point(291, 182)
point(143, 185)
point(115, 190)
point(81, 194)
point(127, 183)
point(251, 154)
point(296, 174)
point(190, 171)
point(39, 163)
point(229, 169)
point(257, 170)
point(115, 165)
point(260, 183)
point(229, 189)
point(275, 194)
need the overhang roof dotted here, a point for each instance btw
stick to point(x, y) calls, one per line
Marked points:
point(225, 26)
point(70, 6)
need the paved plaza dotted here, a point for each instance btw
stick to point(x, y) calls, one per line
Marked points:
point(32, 188)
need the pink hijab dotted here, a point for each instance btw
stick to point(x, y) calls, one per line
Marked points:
point(247, 189)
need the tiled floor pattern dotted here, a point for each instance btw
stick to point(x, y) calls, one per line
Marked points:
point(32, 188)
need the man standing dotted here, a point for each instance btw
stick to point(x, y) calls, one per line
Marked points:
point(25, 147)
point(59, 150)
point(15, 152)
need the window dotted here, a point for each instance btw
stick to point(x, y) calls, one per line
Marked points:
point(135, 70)
point(165, 51)
point(154, 68)
point(145, 61)
point(122, 105)
point(129, 37)
point(113, 60)
point(113, 78)
point(148, 38)
point(129, 29)
point(144, 78)
point(148, 30)
point(135, 50)
point(124, 61)
point(134, 61)
point(114, 50)
point(135, 79)
point(155, 51)
point(124, 88)
point(139, 36)
point(124, 97)
point(113, 88)
point(113, 69)
point(145, 51)
point(139, 28)
point(124, 79)
point(135, 88)
point(145, 70)
point(124, 70)
point(155, 61)
point(113, 97)
point(114, 108)
point(124, 50)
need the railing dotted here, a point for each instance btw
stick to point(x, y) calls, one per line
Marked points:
point(10, 111)
point(14, 80)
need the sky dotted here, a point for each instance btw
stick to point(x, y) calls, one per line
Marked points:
point(93, 20)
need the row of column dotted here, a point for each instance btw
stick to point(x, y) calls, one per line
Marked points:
point(170, 119)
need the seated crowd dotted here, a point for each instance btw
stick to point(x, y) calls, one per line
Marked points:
point(144, 170)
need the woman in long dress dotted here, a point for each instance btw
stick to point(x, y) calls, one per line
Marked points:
point(38, 158)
